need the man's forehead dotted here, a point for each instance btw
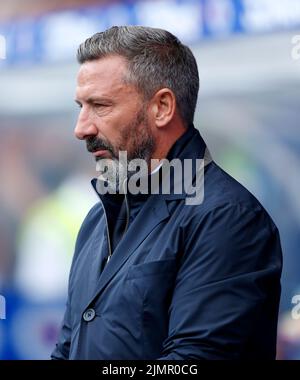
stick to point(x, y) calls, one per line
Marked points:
point(102, 77)
point(108, 68)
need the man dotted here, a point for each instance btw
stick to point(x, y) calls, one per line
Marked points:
point(154, 277)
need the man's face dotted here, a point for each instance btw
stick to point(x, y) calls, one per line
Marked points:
point(113, 115)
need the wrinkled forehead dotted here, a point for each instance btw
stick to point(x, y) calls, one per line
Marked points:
point(103, 75)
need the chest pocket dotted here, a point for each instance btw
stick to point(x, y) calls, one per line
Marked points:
point(151, 287)
point(153, 268)
point(153, 281)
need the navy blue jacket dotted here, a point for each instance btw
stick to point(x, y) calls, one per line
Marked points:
point(184, 282)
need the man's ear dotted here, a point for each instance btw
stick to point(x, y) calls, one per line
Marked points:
point(163, 106)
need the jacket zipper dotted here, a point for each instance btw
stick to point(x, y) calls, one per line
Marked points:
point(106, 222)
point(127, 208)
point(107, 232)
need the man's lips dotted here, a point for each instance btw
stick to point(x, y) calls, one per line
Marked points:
point(102, 153)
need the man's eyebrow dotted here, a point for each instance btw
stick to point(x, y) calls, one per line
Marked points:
point(92, 100)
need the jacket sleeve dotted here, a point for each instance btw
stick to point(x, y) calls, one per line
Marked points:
point(227, 288)
point(61, 351)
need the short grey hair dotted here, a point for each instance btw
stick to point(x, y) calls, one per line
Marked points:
point(156, 59)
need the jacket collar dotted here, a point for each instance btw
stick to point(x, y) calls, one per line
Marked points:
point(185, 146)
point(190, 146)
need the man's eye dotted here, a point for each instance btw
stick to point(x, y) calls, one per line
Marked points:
point(79, 105)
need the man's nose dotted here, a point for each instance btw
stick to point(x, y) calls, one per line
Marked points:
point(85, 126)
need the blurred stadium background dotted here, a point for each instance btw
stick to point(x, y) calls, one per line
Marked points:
point(248, 112)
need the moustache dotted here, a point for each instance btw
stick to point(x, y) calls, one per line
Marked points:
point(93, 144)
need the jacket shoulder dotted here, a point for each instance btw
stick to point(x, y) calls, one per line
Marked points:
point(222, 189)
point(225, 195)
